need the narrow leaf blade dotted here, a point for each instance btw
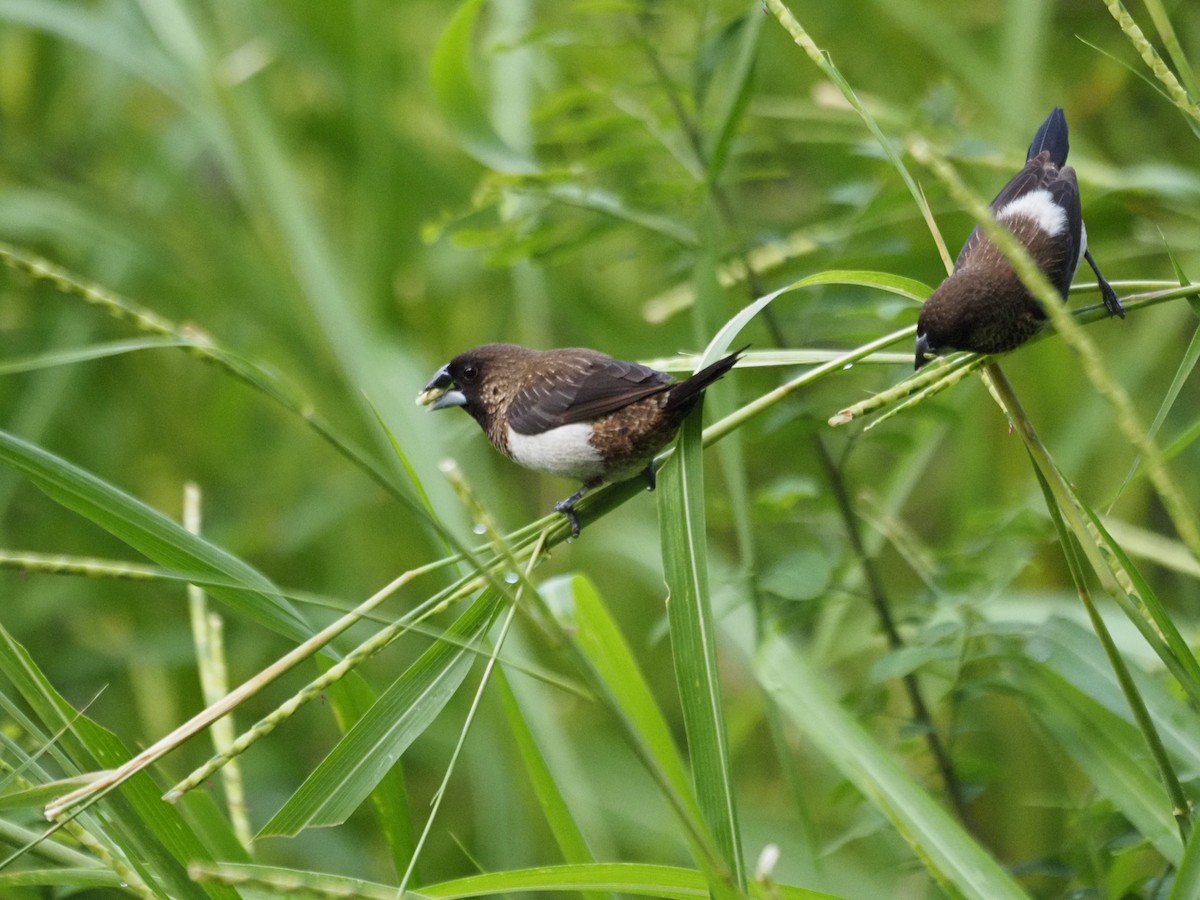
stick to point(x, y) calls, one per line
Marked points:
point(159, 538)
point(693, 640)
point(345, 778)
point(953, 857)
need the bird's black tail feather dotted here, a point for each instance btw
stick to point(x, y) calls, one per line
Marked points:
point(1052, 136)
point(688, 391)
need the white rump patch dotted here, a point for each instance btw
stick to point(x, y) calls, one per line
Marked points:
point(563, 451)
point(1040, 208)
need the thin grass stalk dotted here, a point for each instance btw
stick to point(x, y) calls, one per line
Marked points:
point(315, 688)
point(1176, 91)
point(879, 600)
point(1116, 582)
point(114, 777)
point(64, 856)
point(484, 680)
point(823, 62)
point(478, 513)
point(1148, 603)
point(1141, 715)
point(740, 417)
point(1061, 504)
point(207, 634)
point(87, 567)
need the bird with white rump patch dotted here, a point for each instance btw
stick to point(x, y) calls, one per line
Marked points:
point(983, 306)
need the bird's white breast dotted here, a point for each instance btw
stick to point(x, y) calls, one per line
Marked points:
point(1040, 208)
point(564, 451)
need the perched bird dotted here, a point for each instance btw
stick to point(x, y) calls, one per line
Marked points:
point(572, 412)
point(983, 306)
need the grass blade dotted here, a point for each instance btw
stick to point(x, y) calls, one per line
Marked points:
point(693, 640)
point(345, 778)
point(151, 533)
point(85, 354)
point(749, 28)
point(155, 839)
point(460, 101)
point(953, 857)
point(1101, 743)
point(635, 879)
point(567, 833)
point(613, 673)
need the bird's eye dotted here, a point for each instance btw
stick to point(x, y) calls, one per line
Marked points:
point(470, 373)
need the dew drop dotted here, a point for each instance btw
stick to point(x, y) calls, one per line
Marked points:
point(479, 528)
point(512, 577)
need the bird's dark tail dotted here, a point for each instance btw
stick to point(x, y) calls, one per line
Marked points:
point(1052, 136)
point(688, 391)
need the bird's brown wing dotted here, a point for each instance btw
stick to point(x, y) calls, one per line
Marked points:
point(1038, 173)
point(582, 387)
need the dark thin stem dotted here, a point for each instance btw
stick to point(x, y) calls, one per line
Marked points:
point(879, 600)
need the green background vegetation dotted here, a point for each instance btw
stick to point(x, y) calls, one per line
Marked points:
point(274, 221)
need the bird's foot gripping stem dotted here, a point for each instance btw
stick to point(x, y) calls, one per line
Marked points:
point(567, 508)
point(1111, 301)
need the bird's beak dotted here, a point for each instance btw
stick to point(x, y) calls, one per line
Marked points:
point(924, 352)
point(438, 392)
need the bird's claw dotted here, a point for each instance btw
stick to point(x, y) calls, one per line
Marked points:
point(1111, 301)
point(567, 508)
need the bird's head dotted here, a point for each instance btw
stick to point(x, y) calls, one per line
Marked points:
point(478, 380)
point(970, 310)
point(938, 324)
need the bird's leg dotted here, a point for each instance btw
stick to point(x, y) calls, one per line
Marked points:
point(1111, 301)
point(651, 477)
point(567, 507)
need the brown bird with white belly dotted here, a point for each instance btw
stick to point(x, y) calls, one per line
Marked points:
point(573, 412)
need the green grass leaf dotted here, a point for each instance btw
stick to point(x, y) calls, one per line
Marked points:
point(1103, 745)
point(634, 879)
point(693, 639)
point(351, 698)
point(567, 833)
point(150, 836)
point(612, 672)
point(1187, 879)
point(959, 862)
point(460, 100)
point(345, 778)
point(85, 354)
point(743, 36)
point(151, 533)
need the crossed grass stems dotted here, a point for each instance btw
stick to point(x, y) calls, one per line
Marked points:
point(494, 563)
point(505, 561)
